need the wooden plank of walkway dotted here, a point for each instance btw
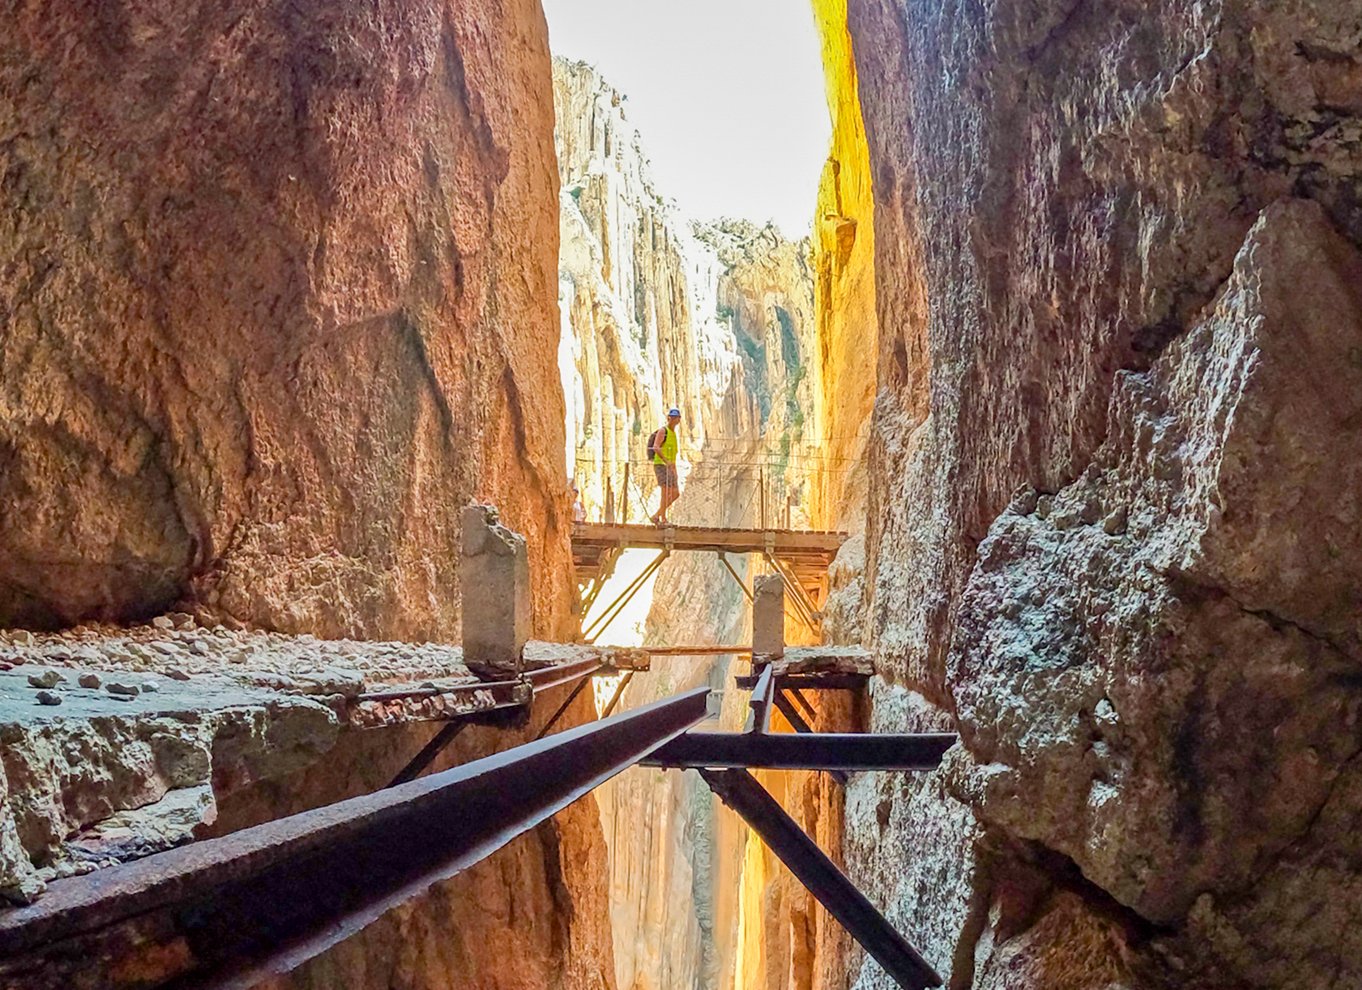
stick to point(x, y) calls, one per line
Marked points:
point(784, 542)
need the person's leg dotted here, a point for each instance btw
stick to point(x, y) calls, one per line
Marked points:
point(670, 492)
point(658, 517)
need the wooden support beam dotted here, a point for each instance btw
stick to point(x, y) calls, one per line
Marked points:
point(747, 592)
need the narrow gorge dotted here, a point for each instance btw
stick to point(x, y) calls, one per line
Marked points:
point(1068, 358)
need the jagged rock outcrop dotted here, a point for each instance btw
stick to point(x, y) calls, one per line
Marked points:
point(259, 341)
point(1155, 667)
point(1116, 267)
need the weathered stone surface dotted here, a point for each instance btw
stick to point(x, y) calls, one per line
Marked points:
point(116, 764)
point(277, 289)
point(1152, 664)
point(768, 616)
point(1173, 707)
point(494, 576)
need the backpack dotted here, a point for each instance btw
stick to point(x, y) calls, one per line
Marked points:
point(654, 444)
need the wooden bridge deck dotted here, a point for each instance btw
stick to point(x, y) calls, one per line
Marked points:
point(785, 542)
point(804, 554)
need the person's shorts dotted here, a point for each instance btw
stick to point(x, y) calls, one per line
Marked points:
point(666, 476)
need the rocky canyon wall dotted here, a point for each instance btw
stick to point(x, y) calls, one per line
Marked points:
point(844, 297)
point(277, 297)
point(718, 319)
point(1113, 522)
point(276, 301)
point(714, 318)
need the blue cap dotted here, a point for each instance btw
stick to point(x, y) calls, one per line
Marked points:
point(674, 412)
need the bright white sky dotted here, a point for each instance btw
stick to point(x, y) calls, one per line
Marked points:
point(728, 95)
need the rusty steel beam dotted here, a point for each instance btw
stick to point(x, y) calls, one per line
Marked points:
point(797, 720)
point(759, 719)
point(695, 651)
point(741, 792)
point(567, 702)
point(547, 678)
point(535, 682)
point(229, 913)
point(796, 751)
point(818, 682)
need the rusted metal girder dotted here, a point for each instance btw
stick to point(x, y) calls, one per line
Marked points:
point(535, 682)
point(796, 751)
point(800, 725)
point(741, 792)
point(228, 913)
point(818, 682)
point(759, 719)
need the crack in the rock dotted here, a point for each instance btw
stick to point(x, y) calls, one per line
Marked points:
point(1189, 586)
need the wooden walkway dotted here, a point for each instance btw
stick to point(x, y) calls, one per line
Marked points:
point(801, 556)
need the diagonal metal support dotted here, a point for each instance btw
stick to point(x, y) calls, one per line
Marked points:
point(613, 610)
point(567, 702)
point(619, 693)
point(229, 913)
point(795, 719)
point(747, 592)
point(605, 567)
point(797, 751)
point(801, 701)
point(741, 792)
point(429, 751)
point(804, 608)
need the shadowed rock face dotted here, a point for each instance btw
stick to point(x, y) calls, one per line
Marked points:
point(277, 295)
point(1140, 680)
point(1117, 268)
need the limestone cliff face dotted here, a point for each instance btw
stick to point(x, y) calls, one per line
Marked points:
point(714, 318)
point(844, 300)
point(1112, 532)
point(718, 319)
point(260, 340)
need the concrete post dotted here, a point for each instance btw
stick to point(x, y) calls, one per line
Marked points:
point(494, 574)
point(768, 617)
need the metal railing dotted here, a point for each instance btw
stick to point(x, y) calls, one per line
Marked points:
point(765, 490)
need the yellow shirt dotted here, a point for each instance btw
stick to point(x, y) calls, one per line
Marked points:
point(666, 454)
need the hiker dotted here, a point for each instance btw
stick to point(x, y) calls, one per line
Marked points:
point(662, 449)
point(578, 509)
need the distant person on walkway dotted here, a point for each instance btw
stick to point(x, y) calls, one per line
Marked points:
point(662, 450)
point(578, 509)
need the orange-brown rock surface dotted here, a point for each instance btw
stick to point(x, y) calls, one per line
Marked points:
point(844, 298)
point(276, 301)
point(1112, 530)
point(276, 288)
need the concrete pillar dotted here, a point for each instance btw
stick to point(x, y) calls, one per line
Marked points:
point(494, 574)
point(768, 617)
